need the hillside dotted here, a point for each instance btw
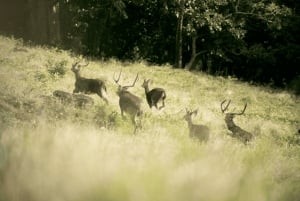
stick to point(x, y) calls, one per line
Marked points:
point(55, 151)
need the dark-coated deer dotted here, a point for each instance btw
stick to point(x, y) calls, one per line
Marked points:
point(129, 103)
point(154, 95)
point(200, 132)
point(237, 132)
point(87, 85)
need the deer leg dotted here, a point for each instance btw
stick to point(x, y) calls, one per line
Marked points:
point(137, 121)
point(103, 98)
point(75, 91)
point(133, 120)
point(153, 103)
point(163, 105)
point(122, 113)
point(103, 95)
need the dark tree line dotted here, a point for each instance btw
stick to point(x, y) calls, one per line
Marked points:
point(253, 40)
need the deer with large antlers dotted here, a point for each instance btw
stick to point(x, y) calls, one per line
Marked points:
point(154, 95)
point(87, 85)
point(237, 131)
point(129, 103)
point(200, 132)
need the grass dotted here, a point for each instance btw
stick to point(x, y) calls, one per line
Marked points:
point(53, 151)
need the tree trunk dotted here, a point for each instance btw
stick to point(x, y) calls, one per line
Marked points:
point(194, 58)
point(43, 22)
point(178, 57)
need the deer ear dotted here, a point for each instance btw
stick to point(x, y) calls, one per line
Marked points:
point(195, 112)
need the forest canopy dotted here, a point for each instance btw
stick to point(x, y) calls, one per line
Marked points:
point(252, 40)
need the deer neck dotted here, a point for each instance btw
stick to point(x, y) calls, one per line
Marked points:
point(190, 124)
point(146, 89)
point(77, 75)
point(230, 123)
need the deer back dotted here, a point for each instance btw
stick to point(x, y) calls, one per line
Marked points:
point(129, 102)
point(156, 94)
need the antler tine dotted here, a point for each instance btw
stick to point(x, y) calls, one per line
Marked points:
point(75, 63)
point(136, 78)
point(187, 110)
point(117, 80)
point(224, 109)
point(83, 65)
point(243, 110)
point(194, 112)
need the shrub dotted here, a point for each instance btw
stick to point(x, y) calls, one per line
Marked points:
point(57, 68)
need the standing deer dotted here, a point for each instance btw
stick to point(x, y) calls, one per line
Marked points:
point(201, 132)
point(128, 102)
point(154, 96)
point(237, 132)
point(87, 85)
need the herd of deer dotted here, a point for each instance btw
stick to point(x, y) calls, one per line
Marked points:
point(132, 104)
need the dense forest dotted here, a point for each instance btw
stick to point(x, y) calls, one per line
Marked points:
point(257, 41)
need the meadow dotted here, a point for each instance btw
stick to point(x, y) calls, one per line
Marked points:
point(50, 151)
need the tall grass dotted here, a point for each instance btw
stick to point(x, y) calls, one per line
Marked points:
point(53, 151)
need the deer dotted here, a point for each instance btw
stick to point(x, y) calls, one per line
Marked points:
point(237, 132)
point(129, 103)
point(87, 85)
point(78, 100)
point(197, 131)
point(154, 95)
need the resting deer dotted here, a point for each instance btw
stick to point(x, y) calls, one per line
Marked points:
point(237, 132)
point(86, 85)
point(128, 102)
point(79, 100)
point(154, 96)
point(200, 132)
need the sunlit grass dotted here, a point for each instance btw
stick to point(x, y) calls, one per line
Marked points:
point(50, 151)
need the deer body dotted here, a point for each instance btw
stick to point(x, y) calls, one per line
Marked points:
point(200, 132)
point(77, 99)
point(129, 103)
point(87, 85)
point(237, 132)
point(154, 96)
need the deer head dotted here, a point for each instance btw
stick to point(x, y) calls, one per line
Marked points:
point(122, 88)
point(77, 65)
point(146, 84)
point(189, 113)
point(231, 115)
point(237, 131)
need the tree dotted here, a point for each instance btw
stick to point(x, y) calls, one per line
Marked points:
point(223, 16)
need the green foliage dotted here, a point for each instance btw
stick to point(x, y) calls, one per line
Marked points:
point(56, 68)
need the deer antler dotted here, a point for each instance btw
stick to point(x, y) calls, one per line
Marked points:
point(242, 111)
point(191, 112)
point(136, 78)
point(83, 65)
point(77, 64)
point(226, 107)
point(117, 80)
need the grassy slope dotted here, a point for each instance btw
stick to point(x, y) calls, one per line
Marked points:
point(50, 151)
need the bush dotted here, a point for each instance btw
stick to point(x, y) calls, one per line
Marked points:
point(57, 68)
